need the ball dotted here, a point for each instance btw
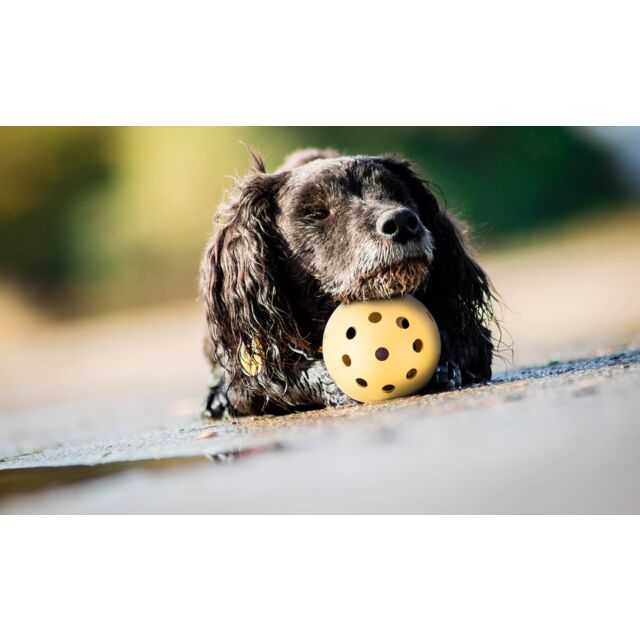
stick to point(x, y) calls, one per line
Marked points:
point(381, 349)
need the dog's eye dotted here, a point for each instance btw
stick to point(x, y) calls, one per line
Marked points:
point(316, 213)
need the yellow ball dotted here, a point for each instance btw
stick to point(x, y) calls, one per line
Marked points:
point(381, 349)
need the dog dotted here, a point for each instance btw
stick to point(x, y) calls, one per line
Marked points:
point(290, 246)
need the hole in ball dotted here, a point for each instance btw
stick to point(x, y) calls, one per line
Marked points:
point(382, 353)
point(417, 345)
point(375, 317)
point(388, 388)
point(351, 333)
point(346, 359)
point(403, 323)
point(361, 381)
point(411, 373)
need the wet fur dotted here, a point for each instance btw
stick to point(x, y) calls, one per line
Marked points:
point(288, 247)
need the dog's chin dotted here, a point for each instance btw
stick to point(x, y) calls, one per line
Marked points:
point(387, 281)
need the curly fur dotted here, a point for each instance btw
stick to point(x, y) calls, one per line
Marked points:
point(288, 247)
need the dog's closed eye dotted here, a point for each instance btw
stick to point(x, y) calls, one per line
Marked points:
point(316, 212)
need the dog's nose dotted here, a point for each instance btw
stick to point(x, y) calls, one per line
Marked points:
point(399, 225)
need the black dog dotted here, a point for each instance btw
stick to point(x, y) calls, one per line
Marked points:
point(324, 229)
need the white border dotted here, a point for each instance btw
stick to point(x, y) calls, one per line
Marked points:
point(330, 62)
point(313, 577)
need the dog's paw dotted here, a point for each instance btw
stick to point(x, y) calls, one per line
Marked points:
point(216, 404)
point(447, 377)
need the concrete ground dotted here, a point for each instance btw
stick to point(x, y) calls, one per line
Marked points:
point(100, 416)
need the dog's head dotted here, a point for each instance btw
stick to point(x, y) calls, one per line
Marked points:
point(356, 228)
point(325, 229)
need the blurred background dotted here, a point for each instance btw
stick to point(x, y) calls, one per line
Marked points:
point(101, 232)
point(97, 219)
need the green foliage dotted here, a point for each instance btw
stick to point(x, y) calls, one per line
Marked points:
point(43, 172)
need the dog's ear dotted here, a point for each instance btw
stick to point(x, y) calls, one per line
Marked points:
point(248, 314)
point(458, 291)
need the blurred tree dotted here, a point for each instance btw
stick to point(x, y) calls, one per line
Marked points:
point(43, 172)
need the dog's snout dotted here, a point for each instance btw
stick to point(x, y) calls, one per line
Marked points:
point(399, 225)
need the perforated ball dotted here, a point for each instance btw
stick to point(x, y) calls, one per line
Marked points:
point(381, 349)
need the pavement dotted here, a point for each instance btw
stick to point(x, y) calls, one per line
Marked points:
point(101, 416)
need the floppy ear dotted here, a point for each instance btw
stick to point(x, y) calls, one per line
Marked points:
point(457, 292)
point(248, 314)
